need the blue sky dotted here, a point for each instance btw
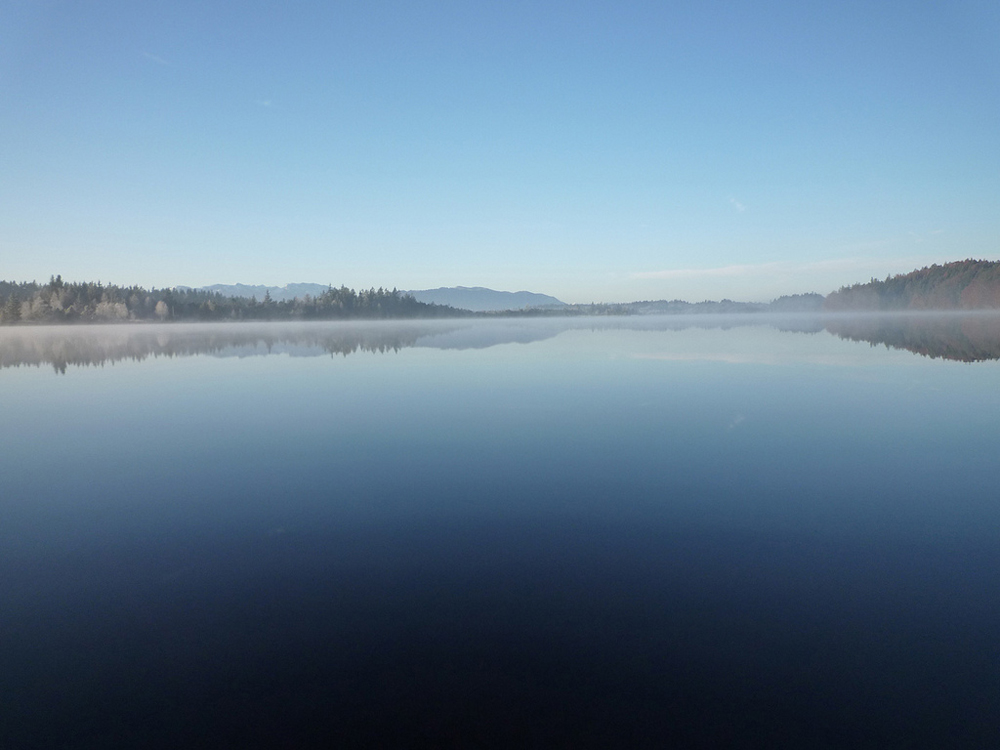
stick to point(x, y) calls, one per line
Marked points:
point(594, 151)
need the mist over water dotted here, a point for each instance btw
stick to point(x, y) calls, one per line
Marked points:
point(961, 336)
point(598, 532)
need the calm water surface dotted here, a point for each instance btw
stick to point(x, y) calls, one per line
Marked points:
point(588, 532)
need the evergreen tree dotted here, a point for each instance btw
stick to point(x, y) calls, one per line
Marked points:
point(11, 312)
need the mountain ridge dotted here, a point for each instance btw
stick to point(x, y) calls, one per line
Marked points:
point(483, 299)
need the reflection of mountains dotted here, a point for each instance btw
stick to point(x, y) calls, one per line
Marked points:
point(66, 346)
point(965, 337)
point(973, 337)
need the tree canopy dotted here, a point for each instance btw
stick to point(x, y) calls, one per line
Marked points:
point(62, 302)
point(961, 285)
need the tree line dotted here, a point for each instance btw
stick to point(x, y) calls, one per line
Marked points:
point(59, 301)
point(961, 285)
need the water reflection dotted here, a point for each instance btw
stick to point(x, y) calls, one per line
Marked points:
point(962, 337)
point(64, 346)
point(461, 547)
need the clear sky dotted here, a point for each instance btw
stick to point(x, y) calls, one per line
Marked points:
point(594, 151)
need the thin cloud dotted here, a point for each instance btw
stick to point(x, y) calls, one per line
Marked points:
point(737, 205)
point(264, 103)
point(869, 245)
point(921, 237)
point(156, 59)
point(698, 273)
point(782, 268)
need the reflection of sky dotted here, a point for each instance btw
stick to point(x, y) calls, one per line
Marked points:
point(767, 346)
point(739, 502)
point(747, 406)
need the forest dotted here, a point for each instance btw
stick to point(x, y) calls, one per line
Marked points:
point(961, 285)
point(59, 301)
point(64, 302)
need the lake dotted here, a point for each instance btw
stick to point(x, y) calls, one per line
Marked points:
point(607, 532)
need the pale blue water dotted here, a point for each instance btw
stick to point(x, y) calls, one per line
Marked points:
point(606, 532)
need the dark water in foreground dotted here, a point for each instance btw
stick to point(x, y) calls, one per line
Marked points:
point(512, 533)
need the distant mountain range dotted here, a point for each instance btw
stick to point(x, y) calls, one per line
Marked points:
point(476, 298)
point(795, 303)
point(481, 299)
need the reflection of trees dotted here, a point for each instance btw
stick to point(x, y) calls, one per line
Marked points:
point(65, 346)
point(965, 338)
point(78, 346)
